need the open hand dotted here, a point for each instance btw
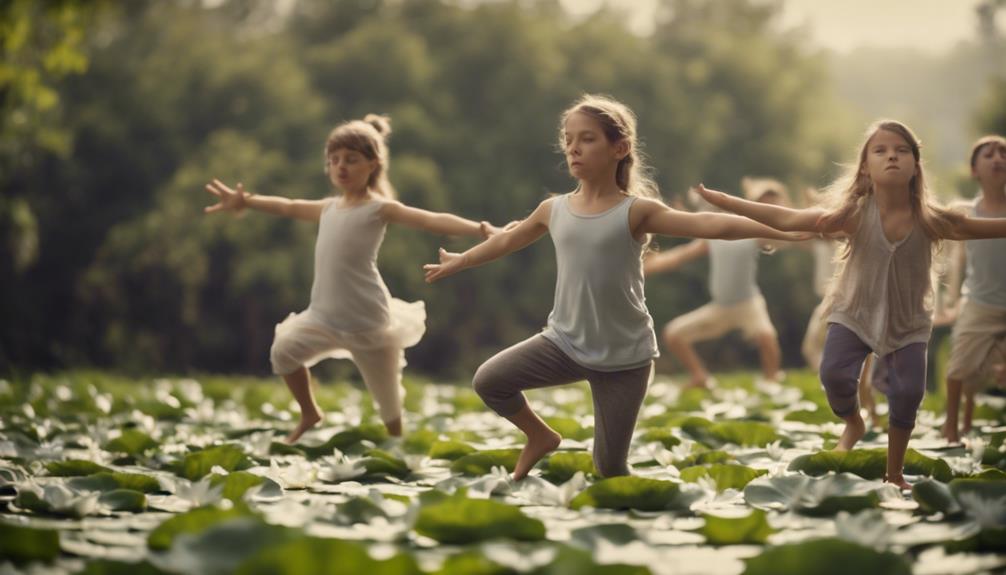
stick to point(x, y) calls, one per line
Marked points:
point(450, 264)
point(715, 198)
point(228, 200)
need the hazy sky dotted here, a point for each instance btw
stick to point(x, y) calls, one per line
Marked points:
point(842, 25)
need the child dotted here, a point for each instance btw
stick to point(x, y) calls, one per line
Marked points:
point(599, 328)
point(737, 303)
point(979, 336)
point(881, 301)
point(351, 314)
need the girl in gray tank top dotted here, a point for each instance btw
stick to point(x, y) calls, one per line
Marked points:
point(979, 336)
point(882, 301)
point(351, 314)
point(599, 328)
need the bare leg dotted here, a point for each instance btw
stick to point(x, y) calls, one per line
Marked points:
point(771, 356)
point(685, 353)
point(866, 398)
point(394, 427)
point(969, 411)
point(855, 428)
point(950, 427)
point(541, 439)
point(299, 383)
point(897, 445)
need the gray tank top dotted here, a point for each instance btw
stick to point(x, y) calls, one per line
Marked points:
point(348, 293)
point(599, 317)
point(884, 293)
point(733, 270)
point(985, 281)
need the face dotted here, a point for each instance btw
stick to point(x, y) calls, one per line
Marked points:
point(990, 165)
point(588, 152)
point(889, 159)
point(349, 170)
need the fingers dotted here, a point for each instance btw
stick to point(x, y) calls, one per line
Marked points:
point(211, 189)
point(213, 208)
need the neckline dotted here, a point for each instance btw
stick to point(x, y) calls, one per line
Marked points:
point(353, 207)
point(880, 226)
point(598, 214)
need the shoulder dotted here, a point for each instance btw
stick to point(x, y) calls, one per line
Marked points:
point(648, 206)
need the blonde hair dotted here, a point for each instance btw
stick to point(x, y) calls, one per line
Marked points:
point(368, 137)
point(618, 123)
point(845, 197)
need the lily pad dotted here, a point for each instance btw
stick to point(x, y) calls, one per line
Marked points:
point(869, 464)
point(74, 468)
point(309, 555)
point(935, 497)
point(107, 481)
point(633, 493)
point(451, 450)
point(752, 529)
point(192, 522)
point(726, 476)
point(826, 557)
point(124, 500)
point(562, 465)
point(131, 442)
point(482, 462)
point(812, 496)
point(349, 440)
point(199, 463)
point(23, 544)
point(459, 520)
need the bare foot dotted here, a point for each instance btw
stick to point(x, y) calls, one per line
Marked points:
point(307, 421)
point(534, 450)
point(394, 427)
point(855, 429)
point(966, 427)
point(950, 432)
point(899, 482)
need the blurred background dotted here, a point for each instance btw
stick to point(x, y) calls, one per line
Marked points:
point(115, 114)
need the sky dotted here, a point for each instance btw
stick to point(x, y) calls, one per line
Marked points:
point(843, 25)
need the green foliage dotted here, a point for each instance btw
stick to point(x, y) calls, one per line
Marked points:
point(131, 442)
point(308, 555)
point(458, 520)
point(347, 440)
point(450, 450)
point(193, 522)
point(825, 557)
point(236, 484)
point(124, 500)
point(562, 465)
point(823, 496)
point(75, 468)
point(632, 493)
point(107, 481)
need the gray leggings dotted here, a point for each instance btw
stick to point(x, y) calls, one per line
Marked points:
point(842, 361)
point(537, 362)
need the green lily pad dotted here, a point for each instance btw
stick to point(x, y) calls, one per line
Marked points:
point(826, 557)
point(110, 567)
point(726, 476)
point(473, 563)
point(74, 468)
point(562, 465)
point(124, 500)
point(869, 464)
point(236, 484)
point(752, 529)
point(986, 489)
point(482, 462)
point(349, 440)
point(197, 464)
point(380, 463)
point(192, 522)
point(310, 555)
point(813, 417)
point(704, 458)
point(744, 433)
point(280, 448)
point(107, 481)
point(935, 497)
point(359, 510)
point(633, 493)
point(24, 544)
point(990, 475)
point(450, 449)
point(570, 560)
point(458, 520)
point(131, 442)
point(420, 441)
point(570, 428)
point(662, 435)
point(988, 540)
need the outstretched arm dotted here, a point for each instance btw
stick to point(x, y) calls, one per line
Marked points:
point(513, 238)
point(657, 218)
point(978, 229)
point(435, 222)
point(236, 200)
point(778, 217)
point(675, 257)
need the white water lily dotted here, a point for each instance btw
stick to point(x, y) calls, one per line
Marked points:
point(338, 468)
point(197, 493)
point(61, 499)
point(986, 512)
point(498, 481)
point(540, 492)
point(976, 445)
point(298, 475)
point(775, 450)
point(867, 528)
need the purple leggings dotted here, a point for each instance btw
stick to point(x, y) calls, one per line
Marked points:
point(844, 354)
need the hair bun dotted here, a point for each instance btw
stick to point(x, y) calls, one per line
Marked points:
point(380, 122)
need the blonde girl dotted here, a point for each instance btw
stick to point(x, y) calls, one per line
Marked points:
point(882, 300)
point(599, 328)
point(351, 314)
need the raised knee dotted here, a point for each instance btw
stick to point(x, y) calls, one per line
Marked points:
point(484, 380)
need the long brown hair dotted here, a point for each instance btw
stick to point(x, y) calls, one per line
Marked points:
point(846, 196)
point(618, 123)
point(368, 137)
